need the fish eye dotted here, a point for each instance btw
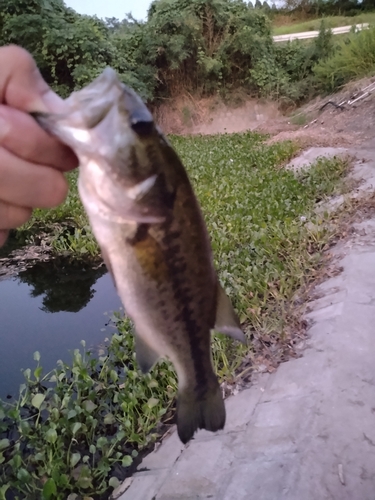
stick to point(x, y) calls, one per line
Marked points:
point(143, 127)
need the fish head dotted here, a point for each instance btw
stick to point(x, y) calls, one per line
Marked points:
point(106, 121)
point(119, 148)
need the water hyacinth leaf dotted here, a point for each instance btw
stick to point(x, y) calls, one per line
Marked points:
point(16, 461)
point(51, 436)
point(4, 443)
point(23, 475)
point(89, 405)
point(37, 356)
point(85, 482)
point(109, 419)
point(120, 435)
point(74, 459)
point(24, 427)
point(102, 441)
point(127, 461)
point(38, 400)
point(76, 427)
point(72, 414)
point(55, 413)
point(114, 482)
point(49, 489)
point(152, 402)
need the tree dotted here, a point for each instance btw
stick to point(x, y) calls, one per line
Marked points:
point(266, 6)
point(70, 49)
point(198, 46)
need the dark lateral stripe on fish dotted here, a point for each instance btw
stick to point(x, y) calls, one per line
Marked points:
point(169, 197)
point(184, 298)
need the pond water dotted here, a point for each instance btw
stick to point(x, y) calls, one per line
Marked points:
point(50, 308)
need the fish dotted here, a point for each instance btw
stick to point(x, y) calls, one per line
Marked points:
point(153, 239)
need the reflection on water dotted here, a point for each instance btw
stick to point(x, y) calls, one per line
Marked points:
point(50, 308)
point(70, 289)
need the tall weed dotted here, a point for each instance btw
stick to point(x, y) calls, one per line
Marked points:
point(354, 57)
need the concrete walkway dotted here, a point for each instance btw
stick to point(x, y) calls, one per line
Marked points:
point(306, 432)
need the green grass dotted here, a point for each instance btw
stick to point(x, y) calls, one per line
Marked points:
point(353, 58)
point(72, 429)
point(330, 22)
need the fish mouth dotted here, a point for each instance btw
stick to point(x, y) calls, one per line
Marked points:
point(104, 104)
point(85, 109)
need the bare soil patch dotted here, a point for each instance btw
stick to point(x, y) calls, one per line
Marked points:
point(333, 126)
point(187, 115)
point(330, 120)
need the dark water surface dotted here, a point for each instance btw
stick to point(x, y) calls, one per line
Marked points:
point(50, 308)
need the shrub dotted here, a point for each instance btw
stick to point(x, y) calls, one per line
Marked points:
point(353, 58)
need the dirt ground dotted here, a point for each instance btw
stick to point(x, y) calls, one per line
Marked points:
point(347, 125)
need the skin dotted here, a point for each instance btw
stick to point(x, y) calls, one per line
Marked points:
point(32, 163)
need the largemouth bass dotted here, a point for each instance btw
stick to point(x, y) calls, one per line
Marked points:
point(147, 221)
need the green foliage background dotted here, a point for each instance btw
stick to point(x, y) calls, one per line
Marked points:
point(199, 47)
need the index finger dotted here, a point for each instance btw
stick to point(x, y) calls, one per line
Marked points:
point(22, 87)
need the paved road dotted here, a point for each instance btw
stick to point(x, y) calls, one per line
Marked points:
point(313, 34)
point(306, 432)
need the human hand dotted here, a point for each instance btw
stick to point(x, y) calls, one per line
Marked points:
point(31, 162)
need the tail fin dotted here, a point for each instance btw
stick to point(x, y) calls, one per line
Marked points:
point(193, 412)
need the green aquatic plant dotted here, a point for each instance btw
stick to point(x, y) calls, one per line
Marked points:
point(78, 428)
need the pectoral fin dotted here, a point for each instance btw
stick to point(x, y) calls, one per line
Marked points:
point(146, 357)
point(226, 319)
point(138, 191)
point(129, 211)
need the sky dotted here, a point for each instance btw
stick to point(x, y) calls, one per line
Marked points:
point(111, 8)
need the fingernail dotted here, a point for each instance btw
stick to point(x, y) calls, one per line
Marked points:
point(53, 102)
point(4, 127)
point(49, 101)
